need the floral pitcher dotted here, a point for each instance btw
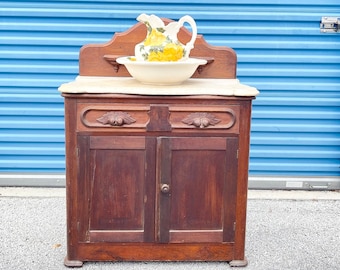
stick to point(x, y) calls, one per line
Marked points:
point(161, 43)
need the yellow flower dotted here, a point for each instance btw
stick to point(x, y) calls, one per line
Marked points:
point(171, 52)
point(155, 56)
point(155, 38)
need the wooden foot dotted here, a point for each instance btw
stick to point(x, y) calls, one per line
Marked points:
point(72, 263)
point(238, 263)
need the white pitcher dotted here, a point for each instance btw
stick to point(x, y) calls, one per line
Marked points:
point(161, 43)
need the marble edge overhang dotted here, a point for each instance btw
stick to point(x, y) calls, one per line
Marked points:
point(128, 85)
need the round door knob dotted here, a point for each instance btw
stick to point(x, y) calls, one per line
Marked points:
point(165, 188)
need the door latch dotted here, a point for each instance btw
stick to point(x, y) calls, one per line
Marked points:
point(330, 25)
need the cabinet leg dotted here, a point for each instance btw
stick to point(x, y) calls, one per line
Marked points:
point(238, 263)
point(72, 263)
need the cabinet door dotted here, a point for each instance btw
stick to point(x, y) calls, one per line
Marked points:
point(196, 189)
point(116, 188)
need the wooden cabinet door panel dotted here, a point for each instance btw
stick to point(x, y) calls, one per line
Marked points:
point(200, 174)
point(116, 195)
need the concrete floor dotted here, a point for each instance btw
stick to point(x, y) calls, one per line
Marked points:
point(285, 230)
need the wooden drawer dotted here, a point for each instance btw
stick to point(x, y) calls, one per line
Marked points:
point(206, 117)
point(158, 117)
point(115, 117)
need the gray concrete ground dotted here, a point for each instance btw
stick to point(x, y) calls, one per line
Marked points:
point(285, 230)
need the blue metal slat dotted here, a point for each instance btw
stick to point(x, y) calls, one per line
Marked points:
point(20, 135)
point(292, 100)
point(279, 126)
point(32, 149)
point(32, 163)
point(302, 112)
point(15, 95)
point(296, 151)
point(32, 122)
point(31, 109)
point(295, 167)
point(296, 138)
point(288, 56)
point(39, 80)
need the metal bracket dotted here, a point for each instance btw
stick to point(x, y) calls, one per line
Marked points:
point(330, 25)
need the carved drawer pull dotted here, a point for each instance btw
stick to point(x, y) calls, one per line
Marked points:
point(116, 118)
point(201, 120)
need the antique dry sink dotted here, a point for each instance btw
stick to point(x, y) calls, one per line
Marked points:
point(157, 163)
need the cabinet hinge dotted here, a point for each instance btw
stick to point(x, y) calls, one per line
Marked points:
point(237, 154)
point(234, 226)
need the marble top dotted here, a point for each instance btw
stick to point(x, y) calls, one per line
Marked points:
point(128, 85)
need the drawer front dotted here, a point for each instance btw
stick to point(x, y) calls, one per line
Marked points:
point(211, 118)
point(158, 118)
point(115, 117)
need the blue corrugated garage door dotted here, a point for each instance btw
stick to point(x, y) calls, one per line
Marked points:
point(296, 119)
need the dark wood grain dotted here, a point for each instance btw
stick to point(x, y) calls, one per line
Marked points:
point(115, 177)
point(117, 207)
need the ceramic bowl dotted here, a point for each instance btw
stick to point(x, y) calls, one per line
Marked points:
point(161, 73)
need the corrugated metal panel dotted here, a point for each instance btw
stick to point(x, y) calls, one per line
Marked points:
point(296, 126)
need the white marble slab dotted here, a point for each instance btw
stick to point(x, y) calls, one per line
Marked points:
point(128, 85)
